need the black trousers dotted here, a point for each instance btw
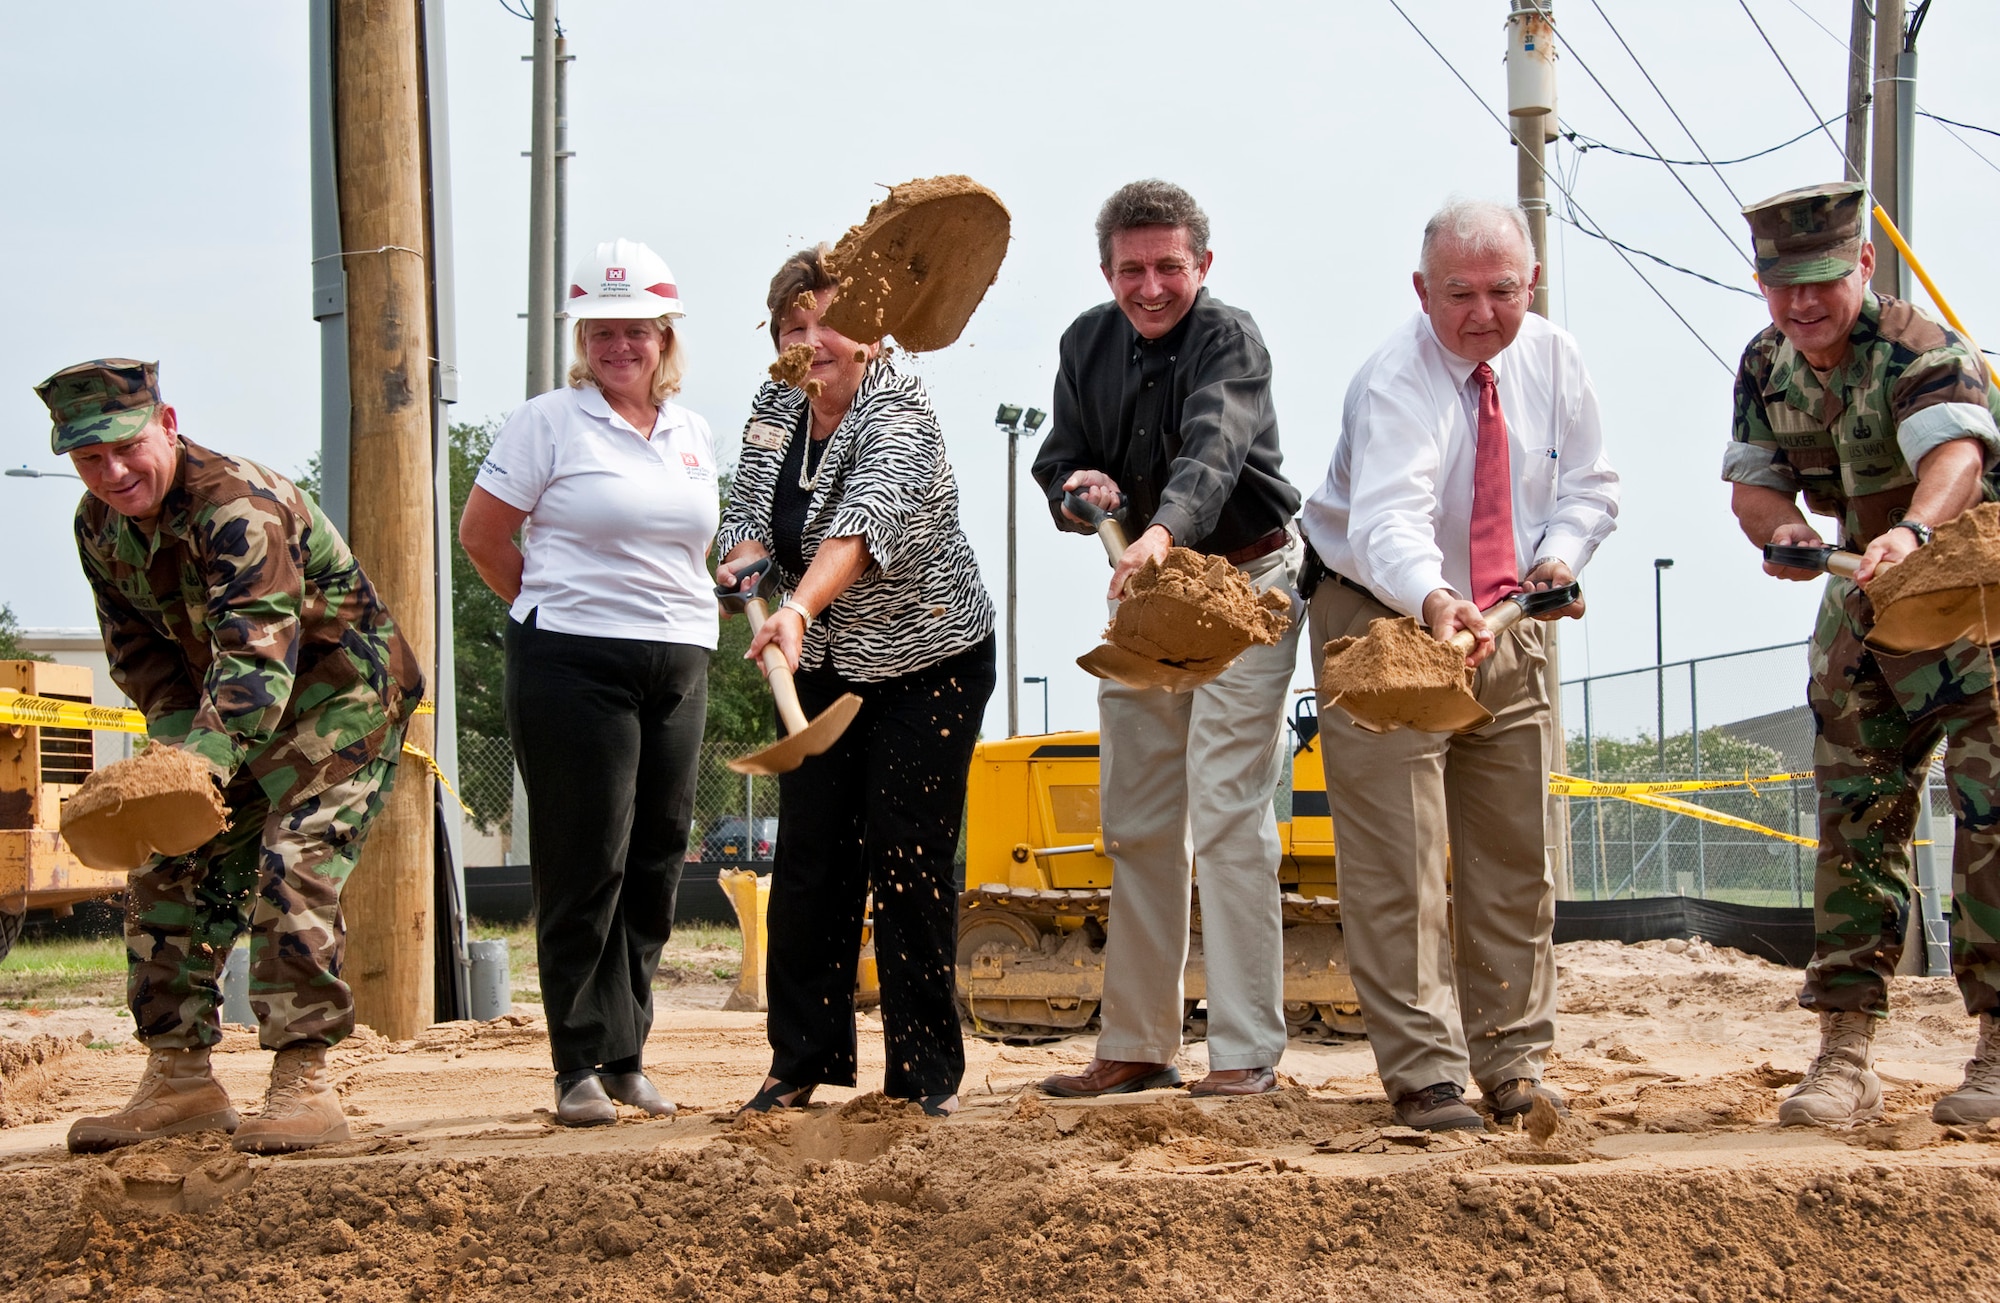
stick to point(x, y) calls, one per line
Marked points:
point(606, 733)
point(880, 810)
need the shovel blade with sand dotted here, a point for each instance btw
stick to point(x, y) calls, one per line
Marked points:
point(1943, 592)
point(159, 802)
point(919, 265)
point(1397, 676)
point(803, 738)
point(1141, 654)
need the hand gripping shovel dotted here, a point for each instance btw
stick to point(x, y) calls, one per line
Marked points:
point(1919, 622)
point(1446, 706)
point(802, 739)
point(1108, 660)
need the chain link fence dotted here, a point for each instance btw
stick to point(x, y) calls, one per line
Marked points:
point(1715, 718)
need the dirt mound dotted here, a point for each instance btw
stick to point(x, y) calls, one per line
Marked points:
point(792, 368)
point(1962, 554)
point(919, 265)
point(1196, 611)
point(29, 1071)
point(160, 801)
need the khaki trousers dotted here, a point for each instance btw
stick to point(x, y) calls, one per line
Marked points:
point(1186, 778)
point(1453, 984)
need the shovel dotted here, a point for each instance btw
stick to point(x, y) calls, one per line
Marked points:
point(802, 739)
point(1107, 660)
point(1451, 707)
point(1921, 621)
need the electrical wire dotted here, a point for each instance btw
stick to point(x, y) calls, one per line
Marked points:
point(1685, 129)
point(1734, 246)
point(1583, 142)
point(522, 12)
point(1552, 180)
point(1950, 122)
point(1837, 147)
point(1671, 266)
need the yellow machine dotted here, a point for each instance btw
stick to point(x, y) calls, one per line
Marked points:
point(40, 768)
point(1032, 920)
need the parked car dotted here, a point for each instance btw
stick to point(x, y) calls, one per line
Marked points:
point(731, 837)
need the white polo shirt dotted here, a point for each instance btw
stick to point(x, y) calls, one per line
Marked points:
point(619, 525)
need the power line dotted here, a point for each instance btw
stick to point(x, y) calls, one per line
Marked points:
point(1729, 239)
point(1837, 147)
point(1583, 142)
point(1950, 131)
point(1551, 178)
point(1949, 122)
point(1685, 129)
point(522, 12)
point(1671, 266)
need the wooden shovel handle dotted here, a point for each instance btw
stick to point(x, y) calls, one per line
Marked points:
point(1844, 563)
point(1501, 617)
point(777, 671)
point(1109, 531)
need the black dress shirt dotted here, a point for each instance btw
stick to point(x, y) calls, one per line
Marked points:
point(1183, 423)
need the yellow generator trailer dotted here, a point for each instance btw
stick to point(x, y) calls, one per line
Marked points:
point(1037, 902)
point(40, 768)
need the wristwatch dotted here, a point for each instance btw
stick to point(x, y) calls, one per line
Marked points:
point(1917, 527)
point(795, 605)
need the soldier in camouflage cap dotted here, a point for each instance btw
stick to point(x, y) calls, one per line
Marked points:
point(1886, 421)
point(237, 619)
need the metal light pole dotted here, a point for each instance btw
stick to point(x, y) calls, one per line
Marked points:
point(1042, 679)
point(1660, 566)
point(1013, 424)
point(23, 473)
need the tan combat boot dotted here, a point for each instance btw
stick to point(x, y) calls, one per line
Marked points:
point(1978, 1100)
point(1841, 1088)
point(177, 1094)
point(301, 1108)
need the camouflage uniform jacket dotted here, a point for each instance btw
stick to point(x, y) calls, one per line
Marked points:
point(1850, 440)
point(244, 629)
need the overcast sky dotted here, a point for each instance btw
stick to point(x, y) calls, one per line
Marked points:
point(161, 211)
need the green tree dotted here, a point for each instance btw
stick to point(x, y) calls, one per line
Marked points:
point(10, 639)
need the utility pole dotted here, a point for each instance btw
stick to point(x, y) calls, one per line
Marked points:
point(391, 525)
point(1890, 276)
point(559, 246)
point(1859, 30)
point(542, 272)
point(1531, 108)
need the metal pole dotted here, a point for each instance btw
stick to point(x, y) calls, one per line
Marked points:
point(329, 277)
point(1930, 884)
point(1013, 627)
point(542, 205)
point(1660, 565)
point(559, 242)
point(1905, 214)
point(1694, 739)
point(1890, 277)
point(1858, 32)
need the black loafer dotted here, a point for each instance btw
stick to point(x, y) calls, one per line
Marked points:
point(635, 1089)
point(584, 1104)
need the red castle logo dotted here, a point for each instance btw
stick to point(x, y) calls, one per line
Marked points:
point(690, 461)
point(614, 273)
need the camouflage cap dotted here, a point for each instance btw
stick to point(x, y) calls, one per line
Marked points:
point(109, 400)
point(1810, 235)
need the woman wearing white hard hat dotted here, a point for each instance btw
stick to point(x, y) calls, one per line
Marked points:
point(612, 486)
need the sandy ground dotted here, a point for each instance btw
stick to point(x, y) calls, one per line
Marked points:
point(1671, 1180)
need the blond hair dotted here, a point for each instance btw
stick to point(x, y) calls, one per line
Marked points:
point(666, 378)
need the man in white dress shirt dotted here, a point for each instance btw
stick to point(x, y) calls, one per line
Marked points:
point(1470, 465)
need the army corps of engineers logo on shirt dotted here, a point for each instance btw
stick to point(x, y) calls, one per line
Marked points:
point(691, 463)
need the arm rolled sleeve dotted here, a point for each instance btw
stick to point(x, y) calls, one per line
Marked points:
point(1923, 431)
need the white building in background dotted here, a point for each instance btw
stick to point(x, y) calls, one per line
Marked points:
point(86, 648)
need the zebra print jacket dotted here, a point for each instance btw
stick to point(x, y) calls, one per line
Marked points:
point(883, 477)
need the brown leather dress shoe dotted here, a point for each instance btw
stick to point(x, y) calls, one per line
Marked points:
point(1237, 1081)
point(1112, 1077)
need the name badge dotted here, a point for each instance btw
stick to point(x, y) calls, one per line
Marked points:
point(762, 434)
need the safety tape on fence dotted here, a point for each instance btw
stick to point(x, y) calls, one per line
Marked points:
point(1654, 796)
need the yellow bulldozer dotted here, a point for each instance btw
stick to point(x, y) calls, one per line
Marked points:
point(40, 768)
point(1032, 918)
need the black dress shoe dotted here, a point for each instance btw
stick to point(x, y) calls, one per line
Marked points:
point(778, 1095)
point(585, 1104)
point(635, 1089)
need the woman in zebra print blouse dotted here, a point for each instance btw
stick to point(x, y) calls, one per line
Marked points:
point(849, 493)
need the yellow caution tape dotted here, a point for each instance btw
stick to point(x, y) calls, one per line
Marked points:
point(1571, 785)
point(47, 712)
point(412, 749)
point(1693, 811)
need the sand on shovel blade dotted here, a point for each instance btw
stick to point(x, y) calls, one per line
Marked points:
point(1395, 672)
point(1196, 611)
point(919, 265)
point(158, 802)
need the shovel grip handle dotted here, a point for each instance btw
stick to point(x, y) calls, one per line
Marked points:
point(1109, 531)
point(1844, 564)
point(776, 671)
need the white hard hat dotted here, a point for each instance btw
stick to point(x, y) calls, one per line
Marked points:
point(623, 279)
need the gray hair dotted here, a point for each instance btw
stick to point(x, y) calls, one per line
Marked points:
point(1151, 203)
point(1479, 227)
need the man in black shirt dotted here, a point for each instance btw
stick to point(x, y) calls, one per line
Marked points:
point(1163, 401)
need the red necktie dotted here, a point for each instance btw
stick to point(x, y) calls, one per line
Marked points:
point(1495, 571)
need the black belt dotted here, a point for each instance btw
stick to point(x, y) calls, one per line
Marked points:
point(1345, 582)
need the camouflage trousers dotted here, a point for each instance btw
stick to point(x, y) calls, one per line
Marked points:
point(276, 874)
point(1878, 718)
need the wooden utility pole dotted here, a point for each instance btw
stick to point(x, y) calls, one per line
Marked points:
point(1889, 277)
point(390, 522)
point(1858, 68)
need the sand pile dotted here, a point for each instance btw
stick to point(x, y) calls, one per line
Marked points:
point(920, 264)
point(160, 801)
point(1962, 554)
point(792, 368)
point(1196, 611)
point(1397, 674)
point(29, 1072)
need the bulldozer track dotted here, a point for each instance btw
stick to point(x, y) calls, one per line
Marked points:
point(1095, 902)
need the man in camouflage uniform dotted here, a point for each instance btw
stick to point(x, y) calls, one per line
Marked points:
point(237, 619)
point(1886, 420)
